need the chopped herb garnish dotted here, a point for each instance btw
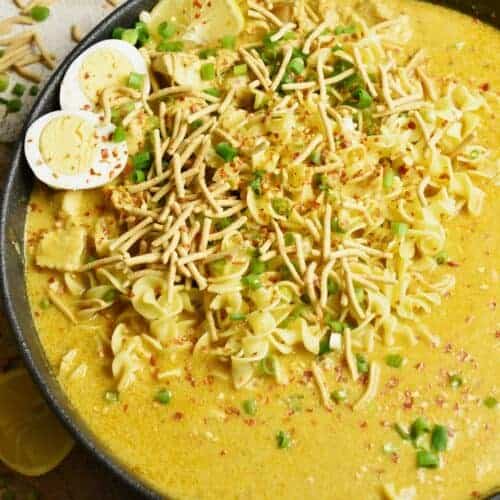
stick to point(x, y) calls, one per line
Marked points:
point(14, 105)
point(110, 295)
point(283, 440)
point(135, 81)
point(131, 36)
point(222, 223)
point(337, 47)
point(257, 266)
point(206, 53)
point(44, 303)
point(439, 438)
point(251, 281)
point(228, 42)
point(324, 345)
point(4, 82)
point(321, 182)
point(237, 317)
point(388, 179)
point(345, 30)
point(419, 427)
point(142, 160)
point(332, 286)
point(267, 366)
point(166, 30)
point(442, 258)
point(403, 433)
point(289, 239)
point(217, 267)
point(207, 71)
point(119, 135)
point(399, 228)
point(250, 407)
point(171, 46)
point(490, 402)
point(297, 65)
point(138, 176)
point(240, 70)
point(361, 99)
point(34, 89)
point(111, 396)
point(394, 360)
point(336, 227)
point(118, 33)
point(339, 395)
point(362, 364)
point(335, 325)
point(226, 151)
point(214, 92)
point(40, 13)
point(427, 459)
point(19, 89)
point(256, 182)
point(142, 32)
point(196, 124)
point(163, 396)
point(456, 381)
point(281, 206)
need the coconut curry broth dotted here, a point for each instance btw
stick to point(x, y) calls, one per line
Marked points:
point(204, 445)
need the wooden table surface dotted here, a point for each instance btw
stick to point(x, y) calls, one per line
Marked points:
point(79, 476)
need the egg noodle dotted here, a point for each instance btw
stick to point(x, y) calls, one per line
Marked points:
point(291, 193)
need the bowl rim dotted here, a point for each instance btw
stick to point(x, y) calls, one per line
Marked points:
point(128, 12)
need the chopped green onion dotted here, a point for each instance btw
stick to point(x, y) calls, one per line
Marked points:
point(257, 266)
point(256, 182)
point(119, 135)
point(388, 179)
point(321, 182)
point(206, 53)
point(419, 427)
point(250, 407)
point(4, 82)
point(268, 365)
point(260, 99)
point(399, 228)
point(361, 99)
point(196, 124)
point(490, 402)
point(110, 295)
point(456, 381)
point(118, 33)
point(226, 151)
point(334, 324)
point(228, 42)
point(163, 396)
point(34, 90)
point(142, 32)
point(217, 267)
point(427, 459)
point(336, 47)
point(394, 360)
point(339, 395)
point(283, 440)
point(237, 317)
point(281, 206)
point(131, 36)
point(222, 223)
point(40, 13)
point(340, 66)
point(345, 30)
point(439, 438)
point(166, 30)
point(19, 89)
point(360, 294)
point(297, 65)
point(336, 227)
point(111, 396)
point(362, 364)
point(213, 92)
point(324, 345)
point(207, 71)
point(315, 157)
point(251, 281)
point(442, 258)
point(45, 303)
point(171, 46)
point(141, 160)
point(14, 105)
point(240, 70)
point(332, 286)
point(135, 81)
point(138, 176)
point(289, 239)
point(403, 433)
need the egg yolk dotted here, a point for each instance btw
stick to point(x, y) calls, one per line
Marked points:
point(68, 145)
point(103, 68)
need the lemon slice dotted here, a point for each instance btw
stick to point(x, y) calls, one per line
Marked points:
point(200, 22)
point(32, 441)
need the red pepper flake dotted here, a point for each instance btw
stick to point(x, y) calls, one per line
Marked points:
point(485, 87)
point(223, 453)
point(392, 382)
point(395, 457)
point(412, 125)
point(250, 422)
point(231, 410)
point(408, 402)
point(363, 424)
point(451, 263)
point(178, 416)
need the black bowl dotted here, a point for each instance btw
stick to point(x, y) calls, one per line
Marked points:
point(14, 200)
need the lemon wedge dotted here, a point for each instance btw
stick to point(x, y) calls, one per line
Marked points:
point(32, 441)
point(199, 21)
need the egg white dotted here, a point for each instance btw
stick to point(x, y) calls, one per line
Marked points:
point(111, 157)
point(71, 95)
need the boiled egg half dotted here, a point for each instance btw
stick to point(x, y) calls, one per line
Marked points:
point(106, 64)
point(74, 150)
